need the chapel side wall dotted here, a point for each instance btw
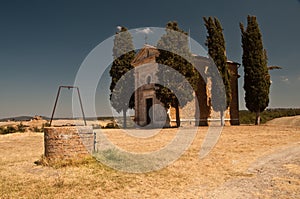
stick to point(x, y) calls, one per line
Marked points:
point(203, 112)
point(203, 104)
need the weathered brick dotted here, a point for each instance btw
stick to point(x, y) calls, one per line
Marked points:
point(66, 142)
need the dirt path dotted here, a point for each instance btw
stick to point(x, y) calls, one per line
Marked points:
point(285, 121)
point(276, 175)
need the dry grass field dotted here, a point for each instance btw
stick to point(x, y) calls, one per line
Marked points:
point(247, 162)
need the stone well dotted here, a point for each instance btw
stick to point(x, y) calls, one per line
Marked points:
point(68, 142)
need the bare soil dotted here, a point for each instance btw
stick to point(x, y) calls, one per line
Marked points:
point(247, 162)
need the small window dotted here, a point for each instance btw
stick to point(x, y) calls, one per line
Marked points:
point(149, 79)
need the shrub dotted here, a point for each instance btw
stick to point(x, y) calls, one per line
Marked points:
point(7, 130)
point(21, 128)
point(47, 124)
point(37, 129)
point(111, 125)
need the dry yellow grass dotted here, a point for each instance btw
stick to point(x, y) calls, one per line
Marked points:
point(236, 168)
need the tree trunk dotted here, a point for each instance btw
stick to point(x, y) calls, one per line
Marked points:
point(257, 119)
point(177, 116)
point(168, 120)
point(124, 119)
point(222, 118)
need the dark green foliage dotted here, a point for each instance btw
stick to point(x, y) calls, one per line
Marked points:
point(123, 54)
point(36, 129)
point(47, 124)
point(21, 128)
point(256, 75)
point(246, 117)
point(8, 129)
point(216, 49)
point(111, 126)
point(174, 52)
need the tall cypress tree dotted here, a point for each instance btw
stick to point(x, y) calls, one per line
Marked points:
point(256, 75)
point(174, 51)
point(123, 54)
point(216, 50)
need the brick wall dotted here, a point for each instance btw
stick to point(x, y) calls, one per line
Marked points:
point(68, 142)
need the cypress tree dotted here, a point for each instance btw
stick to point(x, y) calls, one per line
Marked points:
point(123, 54)
point(256, 75)
point(216, 50)
point(174, 51)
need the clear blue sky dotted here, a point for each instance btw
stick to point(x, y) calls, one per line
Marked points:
point(43, 43)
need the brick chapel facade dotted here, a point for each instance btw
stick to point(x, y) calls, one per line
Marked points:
point(146, 111)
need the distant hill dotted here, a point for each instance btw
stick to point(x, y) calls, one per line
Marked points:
point(21, 118)
point(28, 118)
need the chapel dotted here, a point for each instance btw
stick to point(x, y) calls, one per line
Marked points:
point(149, 110)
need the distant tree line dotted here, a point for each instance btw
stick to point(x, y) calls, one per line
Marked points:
point(247, 117)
